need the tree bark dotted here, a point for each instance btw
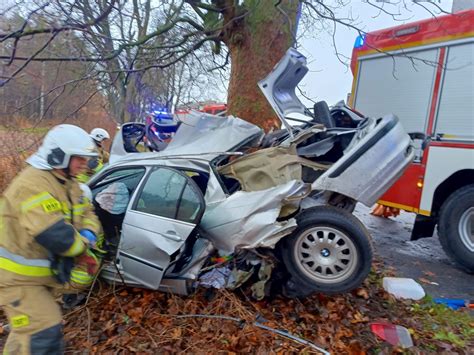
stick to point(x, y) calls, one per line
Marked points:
point(257, 41)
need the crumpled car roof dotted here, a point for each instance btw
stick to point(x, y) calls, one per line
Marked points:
point(199, 134)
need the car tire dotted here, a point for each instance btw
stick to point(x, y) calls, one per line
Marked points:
point(329, 252)
point(455, 227)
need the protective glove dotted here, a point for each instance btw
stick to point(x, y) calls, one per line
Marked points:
point(89, 235)
point(61, 267)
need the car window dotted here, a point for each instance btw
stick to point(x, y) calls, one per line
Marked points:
point(189, 205)
point(168, 193)
point(129, 176)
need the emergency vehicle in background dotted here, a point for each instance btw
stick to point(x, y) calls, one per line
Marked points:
point(423, 72)
point(212, 109)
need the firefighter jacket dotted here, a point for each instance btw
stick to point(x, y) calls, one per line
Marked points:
point(41, 213)
point(98, 163)
point(103, 155)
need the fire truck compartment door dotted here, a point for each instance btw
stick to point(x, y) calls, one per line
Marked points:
point(401, 85)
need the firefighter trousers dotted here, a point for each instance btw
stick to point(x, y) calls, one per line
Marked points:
point(35, 320)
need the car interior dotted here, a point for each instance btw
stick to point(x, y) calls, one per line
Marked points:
point(157, 204)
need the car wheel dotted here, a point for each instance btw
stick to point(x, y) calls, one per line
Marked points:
point(456, 227)
point(330, 251)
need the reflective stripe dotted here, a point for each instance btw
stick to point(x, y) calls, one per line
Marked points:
point(23, 266)
point(19, 321)
point(81, 277)
point(80, 208)
point(66, 209)
point(99, 166)
point(35, 201)
point(76, 248)
point(90, 222)
point(82, 178)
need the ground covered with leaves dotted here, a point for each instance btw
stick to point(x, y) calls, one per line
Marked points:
point(131, 320)
point(134, 320)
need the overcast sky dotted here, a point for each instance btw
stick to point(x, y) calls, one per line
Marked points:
point(330, 80)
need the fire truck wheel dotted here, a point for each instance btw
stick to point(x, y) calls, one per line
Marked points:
point(456, 227)
point(330, 251)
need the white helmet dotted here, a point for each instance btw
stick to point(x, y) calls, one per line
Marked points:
point(99, 134)
point(60, 144)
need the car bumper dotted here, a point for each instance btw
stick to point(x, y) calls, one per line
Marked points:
point(372, 165)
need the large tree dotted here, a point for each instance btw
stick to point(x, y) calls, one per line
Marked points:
point(257, 33)
point(125, 39)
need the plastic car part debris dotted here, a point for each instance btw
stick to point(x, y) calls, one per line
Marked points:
point(216, 278)
point(403, 288)
point(264, 274)
point(455, 303)
point(395, 335)
point(221, 259)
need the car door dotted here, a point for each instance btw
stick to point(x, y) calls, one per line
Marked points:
point(164, 212)
point(111, 219)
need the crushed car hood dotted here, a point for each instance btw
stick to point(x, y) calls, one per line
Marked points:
point(279, 86)
point(249, 219)
point(200, 134)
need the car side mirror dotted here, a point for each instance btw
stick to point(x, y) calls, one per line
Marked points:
point(132, 134)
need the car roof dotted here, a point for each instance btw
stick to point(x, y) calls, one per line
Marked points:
point(201, 162)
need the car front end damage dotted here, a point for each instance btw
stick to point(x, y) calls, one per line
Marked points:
point(271, 204)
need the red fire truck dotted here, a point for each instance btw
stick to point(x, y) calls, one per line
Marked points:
point(423, 72)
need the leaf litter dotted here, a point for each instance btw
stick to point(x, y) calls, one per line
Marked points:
point(121, 320)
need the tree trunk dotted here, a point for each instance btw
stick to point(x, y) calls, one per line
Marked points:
point(256, 43)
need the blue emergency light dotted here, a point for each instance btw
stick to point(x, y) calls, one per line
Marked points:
point(359, 42)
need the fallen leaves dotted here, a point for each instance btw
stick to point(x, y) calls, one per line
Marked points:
point(132, 320)
point(423, 280)
point(428, 282)
point(362, 292)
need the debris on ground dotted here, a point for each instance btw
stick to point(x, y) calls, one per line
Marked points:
point(393, 334)
point(385, 211)
point(455, 303)
point(401, 287)
point(132, 320)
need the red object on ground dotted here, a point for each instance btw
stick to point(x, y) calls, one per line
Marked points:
point(384, 211)
point(395, 335)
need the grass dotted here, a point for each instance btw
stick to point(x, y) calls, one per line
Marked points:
point(442, 323)
point(32, 130)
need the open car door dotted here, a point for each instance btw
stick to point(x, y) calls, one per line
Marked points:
point(164, 212)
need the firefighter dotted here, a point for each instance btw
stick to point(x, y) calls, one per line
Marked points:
point(99, 135)
point(46, 230)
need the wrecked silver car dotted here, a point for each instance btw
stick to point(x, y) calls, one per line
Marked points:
point(225, 205)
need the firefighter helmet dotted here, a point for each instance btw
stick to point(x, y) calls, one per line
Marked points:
point(60, 144)
point(99, 134)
